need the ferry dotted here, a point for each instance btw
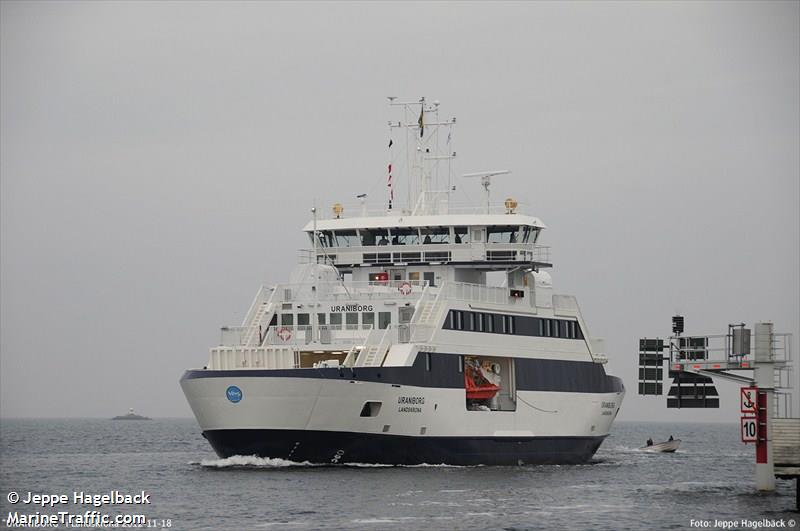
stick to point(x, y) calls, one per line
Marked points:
point(411, 332)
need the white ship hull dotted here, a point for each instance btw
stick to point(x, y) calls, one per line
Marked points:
point(318, 419)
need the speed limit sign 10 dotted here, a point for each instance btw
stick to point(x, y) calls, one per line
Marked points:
point(749, 429)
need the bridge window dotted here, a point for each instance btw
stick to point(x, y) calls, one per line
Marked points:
point(346, 238)
point(502, 235)
point(436, 235)
point(409, 236)
point(325, 239)
point(374, 237)
point(461, 235)
point(351, 320)
point(303, 319)
point(336, 319)
point(287, 319)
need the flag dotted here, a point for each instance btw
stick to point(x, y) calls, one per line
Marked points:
point(421, 125)
point(391, 142)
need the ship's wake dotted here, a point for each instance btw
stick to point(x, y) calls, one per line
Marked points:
point(250, 461)
point(255, 462)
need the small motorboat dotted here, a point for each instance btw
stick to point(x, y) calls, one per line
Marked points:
point(663, 447)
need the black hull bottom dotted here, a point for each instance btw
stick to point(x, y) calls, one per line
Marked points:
point(348, 447)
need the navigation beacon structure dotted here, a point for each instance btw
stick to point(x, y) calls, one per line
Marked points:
point(387, 345)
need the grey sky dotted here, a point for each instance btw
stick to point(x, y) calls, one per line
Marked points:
point(157, 161)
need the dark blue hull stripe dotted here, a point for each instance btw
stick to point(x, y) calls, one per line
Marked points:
point(531, 374)
point(325, 446)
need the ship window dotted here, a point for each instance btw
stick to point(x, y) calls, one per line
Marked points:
point(336, 319)
point(321, 318)
point(427, 361)
point(469, 324)
point(384, 319)
point(477, 235)
point(346, 238)
point(541, 327)
point(489, 322)
point(502, 234)
point(448, 321)
point(351, 320)
point(547, 328)
point(408, 257)
point(430, 277)
point(461, 235)
point(510, 328)
point(408, 236)
point(413, 276)
point(371, 409)
point(368, 319)
point(302, 319)
point(274, 320)
point(371, 237)
point(287, 319)
point(499, 327)
point(377, 258)
point(572, 329)
point(461, 363)
point(526, 233)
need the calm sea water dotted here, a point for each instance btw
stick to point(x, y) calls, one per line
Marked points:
point(710, 478)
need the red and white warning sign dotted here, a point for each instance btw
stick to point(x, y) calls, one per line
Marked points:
point(749, 399)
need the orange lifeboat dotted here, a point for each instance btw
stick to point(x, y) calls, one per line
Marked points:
point(478, 387)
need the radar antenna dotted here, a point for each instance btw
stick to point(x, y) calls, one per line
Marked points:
point(486, 181)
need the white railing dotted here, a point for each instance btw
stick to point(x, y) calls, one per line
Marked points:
point(261, 296)
point(283, 335)
point(374, 352)
point(350, 291)
point(434, 206)
point(565, 305)
point(430, 252)
point(233, 335)
point(464, 291)
point(244, 357)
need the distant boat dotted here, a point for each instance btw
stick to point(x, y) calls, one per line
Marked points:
point(663, 447)
point(131, 416)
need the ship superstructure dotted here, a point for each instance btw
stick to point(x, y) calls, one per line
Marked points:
point(389, 345)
